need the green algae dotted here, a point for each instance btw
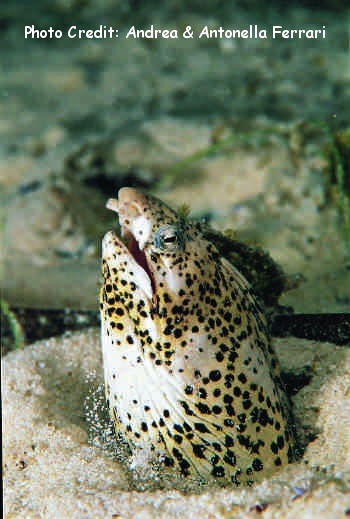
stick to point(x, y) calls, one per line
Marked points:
point(338, 153)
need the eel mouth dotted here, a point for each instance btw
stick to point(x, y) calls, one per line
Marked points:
point(138, 254)
point(128, 209)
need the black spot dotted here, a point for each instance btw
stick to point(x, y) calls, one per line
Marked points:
point(278, 461)
point(214, 460)
point(263, 417)
point(177, 333)
point(228, 316)
point(178, 438)
point(235, 343)
point(201, 427)
point(242, 378)
point(230, 458)
point(233, 356)
point(244, 440)
point(280, 442)
point(211, 322)
point(202, 392)
point(237, 391)
point(216, 409)
point(254, 414)
point(228, 380)
point(257, 465)
point(219, 356)
point(215, 375)
point(256, 446)
point(167, 298)
point(177, 453)
point(189, 390)
point(224, 332)
point(189, 281)
point(144, 426)
point(242, 417)
point(198, 450)
point(242, 336)
point(228, 399)
point(184, 466)
point(230, 410)
point(168, 330)
point(186, 407)
point(187, 427)
point(177, 309)
point(274, 447)
point(218, 471)
point(166, 413)
point(203, 408)
point(168, 462)
point(228, 441)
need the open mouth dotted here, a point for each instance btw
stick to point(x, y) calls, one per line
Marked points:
point(128, 213)
point(138, 254)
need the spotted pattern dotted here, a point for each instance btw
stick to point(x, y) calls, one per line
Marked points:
point(191, 377)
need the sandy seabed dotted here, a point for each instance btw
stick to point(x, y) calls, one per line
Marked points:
point(56, 463)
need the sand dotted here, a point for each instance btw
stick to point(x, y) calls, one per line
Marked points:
point(59, 460)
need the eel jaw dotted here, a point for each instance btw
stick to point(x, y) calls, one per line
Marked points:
point(135, 229)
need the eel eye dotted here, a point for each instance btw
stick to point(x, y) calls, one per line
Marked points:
point(168, 238)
